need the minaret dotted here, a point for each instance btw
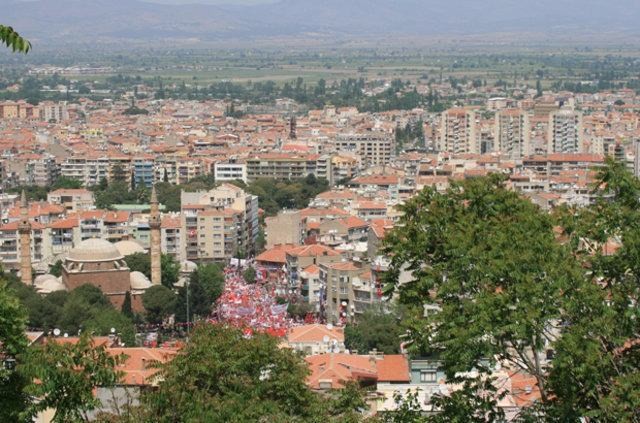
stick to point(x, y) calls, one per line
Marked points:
point(24, 230)
point(154, 225)
point(293, 128)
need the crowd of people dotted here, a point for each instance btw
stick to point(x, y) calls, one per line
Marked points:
point(253, 306)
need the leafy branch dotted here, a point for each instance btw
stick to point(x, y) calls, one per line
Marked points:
point(13, 40)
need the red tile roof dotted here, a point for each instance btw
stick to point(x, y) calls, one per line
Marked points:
point(313, 250)
point(314, 333)
point(277, 254)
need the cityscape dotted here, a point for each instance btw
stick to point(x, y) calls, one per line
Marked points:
point(282, 211)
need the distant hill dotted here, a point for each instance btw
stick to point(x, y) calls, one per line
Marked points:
point(112, 20)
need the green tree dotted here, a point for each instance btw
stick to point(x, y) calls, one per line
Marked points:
point(211, 276)
point(10, 38)
point(375, 329)
point(223, 376)
point(127, 310)
point(64, 376)
point(159, 303)
point(56, 269)
point(594, 372)
point(249, 275)
point(170, 270)
point(299, 310)
point(103, 321)
point(194, 298)
point(141, 262)
point(13, 343)
point(64, 182)
point(118, 174)
point(487, 263)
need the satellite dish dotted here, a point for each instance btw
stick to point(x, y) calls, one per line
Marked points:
point(66, 335)
point(113, 330)
point(330, 326)
point(325, 339)
point(56, 332)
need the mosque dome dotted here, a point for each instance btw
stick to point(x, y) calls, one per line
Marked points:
point(94, 250)
point(139, 282)
point(46, 284)
point(188, 266)
point(127, 248)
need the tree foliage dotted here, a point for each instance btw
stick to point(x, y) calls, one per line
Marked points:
point(275, 195)
point(169, 267)
point(159, 303)
point(64, 376)
point(375, 329)
point(596, 360)
point(13, 344)
point(249, 275)
point(10, 38)
point(224, 376)
point(85, 308)
point(488, 263)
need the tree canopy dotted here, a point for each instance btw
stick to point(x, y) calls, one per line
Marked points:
point(490, 281)
point(64, 375)
point(375, 329)
point(225, 376)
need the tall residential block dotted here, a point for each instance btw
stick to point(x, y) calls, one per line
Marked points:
point(565, 132)
point(513, 133)
point(458, 132)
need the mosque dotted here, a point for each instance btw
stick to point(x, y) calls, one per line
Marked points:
point(99, 263)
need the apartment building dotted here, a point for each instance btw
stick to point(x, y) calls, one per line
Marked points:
point(458, 132)
point(343, 231)
point(285, 228)
point(565, 132)
point(300, 258)
point(171, 236)
point(53, 111)
point(230, 171)
point(349, 291)
point(18, 110)
point(288, 166)
point(555, 164)
point(64, 234)
point(186, 170)
point(10, 245)
point(88, 170)
point(219, 224)
point(108, 225)
point(41, 171)
point(513, 133)
point(373, 148)
point(72, 199)
point(144, 172)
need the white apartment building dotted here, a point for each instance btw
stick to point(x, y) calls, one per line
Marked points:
point(41, 171)
point(565, 132)
point(374, 148)
point(53, 111)
point(228, 171)
point(218, 224)
point(513, 133)
point(458, 132)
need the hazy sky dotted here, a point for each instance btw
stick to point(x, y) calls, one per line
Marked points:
point(212, 1)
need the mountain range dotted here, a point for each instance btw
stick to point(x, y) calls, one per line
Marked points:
point(120, 20)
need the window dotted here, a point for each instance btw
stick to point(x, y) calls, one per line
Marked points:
point(428, 376)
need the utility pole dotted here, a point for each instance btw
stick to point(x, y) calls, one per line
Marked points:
point(188, 315)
